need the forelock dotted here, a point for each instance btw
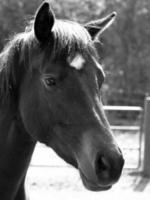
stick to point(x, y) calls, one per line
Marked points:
point(71, 38)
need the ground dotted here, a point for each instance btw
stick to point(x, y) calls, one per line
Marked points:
point(49, 177)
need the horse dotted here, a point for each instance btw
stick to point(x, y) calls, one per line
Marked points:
point(50, 81)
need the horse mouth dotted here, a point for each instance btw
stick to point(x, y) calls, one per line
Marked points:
point(91, 185)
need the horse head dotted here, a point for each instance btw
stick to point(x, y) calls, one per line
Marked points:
point(60, 102)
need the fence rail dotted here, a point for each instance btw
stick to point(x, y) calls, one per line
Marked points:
point(123, 108)
point(126, 128)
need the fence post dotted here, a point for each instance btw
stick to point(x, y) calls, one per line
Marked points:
point(146, 164)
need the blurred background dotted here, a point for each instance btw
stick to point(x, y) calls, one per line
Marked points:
point(125, 55)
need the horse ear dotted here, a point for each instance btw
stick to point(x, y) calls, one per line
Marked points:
point(97, 27)
point(44, 21)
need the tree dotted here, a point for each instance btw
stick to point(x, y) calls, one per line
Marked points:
point(127, 55)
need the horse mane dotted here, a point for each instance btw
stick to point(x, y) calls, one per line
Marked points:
point(69, 38)
point(10, 69)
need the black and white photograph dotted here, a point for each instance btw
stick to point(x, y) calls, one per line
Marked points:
point(75, 100)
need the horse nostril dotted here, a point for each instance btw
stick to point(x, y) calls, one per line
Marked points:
point(102, 163)
point(102, 167)
point(108, 168)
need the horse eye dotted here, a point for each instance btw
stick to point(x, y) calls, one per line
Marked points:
point(50, 81)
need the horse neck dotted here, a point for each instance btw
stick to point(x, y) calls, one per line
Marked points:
point(16, 145)
point(16, 148)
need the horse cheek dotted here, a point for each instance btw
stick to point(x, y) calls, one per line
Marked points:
point(31, 115)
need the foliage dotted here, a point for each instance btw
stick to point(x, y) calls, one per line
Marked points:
point(125, 46)
point(127, 55)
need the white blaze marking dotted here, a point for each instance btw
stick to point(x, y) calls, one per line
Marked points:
point(77, 62)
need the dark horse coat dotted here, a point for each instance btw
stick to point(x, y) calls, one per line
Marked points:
point(50, 81)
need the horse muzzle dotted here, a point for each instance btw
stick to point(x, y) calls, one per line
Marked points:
point(93, 186)
point(105, 171)
point(100, 163)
